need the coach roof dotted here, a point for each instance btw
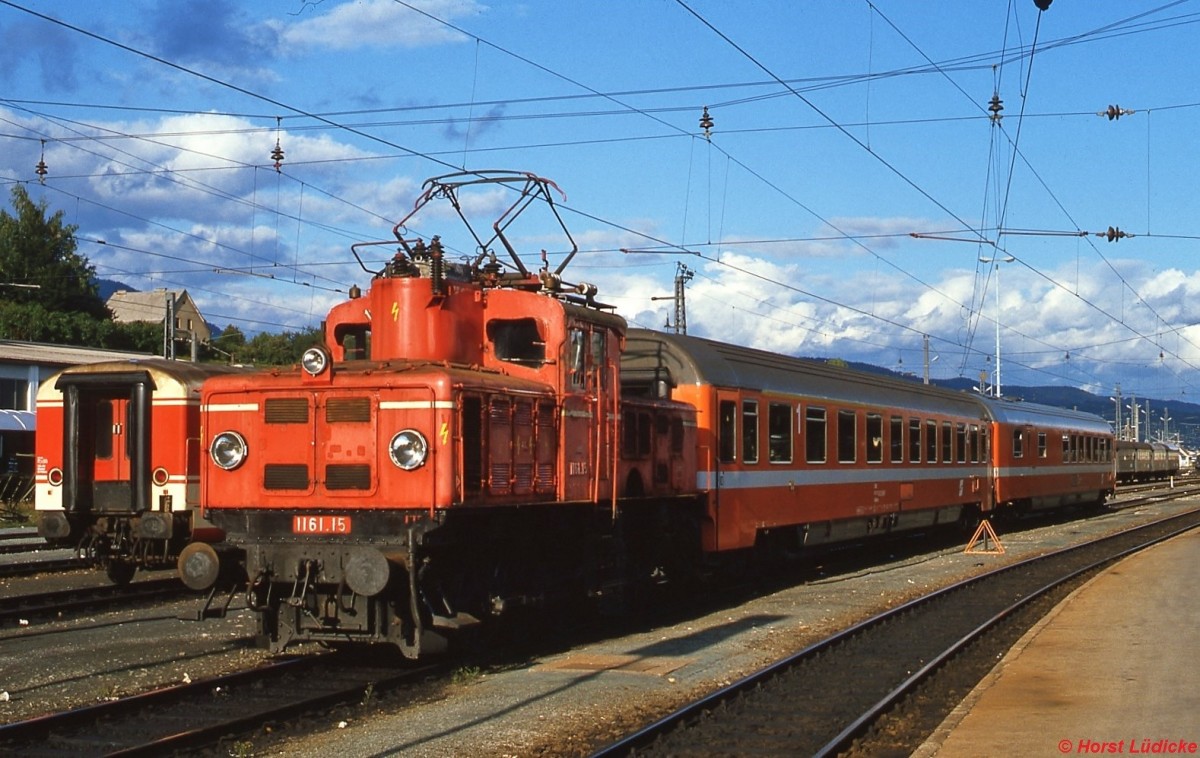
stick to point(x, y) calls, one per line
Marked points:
point(684, 360)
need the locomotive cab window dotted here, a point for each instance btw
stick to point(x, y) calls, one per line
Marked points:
point(354, 340)
point(1018, 446)
point(517, 341)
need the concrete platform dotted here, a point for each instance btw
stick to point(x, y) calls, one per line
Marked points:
point(1114, 670)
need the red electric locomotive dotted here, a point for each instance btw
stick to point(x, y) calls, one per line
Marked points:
point(118, 453)
point(461, 448)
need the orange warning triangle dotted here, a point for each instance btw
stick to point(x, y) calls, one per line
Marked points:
point(984, 534)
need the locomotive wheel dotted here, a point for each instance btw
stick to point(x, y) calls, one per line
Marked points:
point(120, 572)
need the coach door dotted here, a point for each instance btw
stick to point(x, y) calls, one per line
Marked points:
point(724, 456)
point(107, 442)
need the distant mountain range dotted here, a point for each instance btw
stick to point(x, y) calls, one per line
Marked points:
point(1184, 416)
point(108, 287)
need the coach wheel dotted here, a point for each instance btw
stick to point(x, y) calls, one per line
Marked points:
point(968, 520)
point(120, 572)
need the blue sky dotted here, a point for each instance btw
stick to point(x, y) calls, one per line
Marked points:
point(840, 131)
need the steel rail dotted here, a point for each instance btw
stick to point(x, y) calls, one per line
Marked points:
point(644, 737)
point(843, 740)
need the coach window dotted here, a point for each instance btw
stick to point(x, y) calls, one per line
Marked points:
point(749, 431)
point(914, 440)
point(931, 442)
point(1066, 448)
point(847, 440)
point(960, 442)
point(1018, 448)
point(779, 433)
point(727, 431)
point(814, 433)
point(874, 438)
point(976, 450)
point(947, 442)
point(1041, 444)
point(896, 443)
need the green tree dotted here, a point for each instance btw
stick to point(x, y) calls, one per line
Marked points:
point(277, 349)
point(39, 249)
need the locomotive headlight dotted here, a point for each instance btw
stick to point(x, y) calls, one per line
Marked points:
point(408, 449)
point(228, 450)
point(315, 360)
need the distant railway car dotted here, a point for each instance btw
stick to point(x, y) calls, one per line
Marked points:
point(1147, 461)
point(16, 456)
point(118, 455)
point(471, 439)
point(1047, 457)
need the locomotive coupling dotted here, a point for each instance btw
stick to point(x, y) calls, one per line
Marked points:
point(202, 566)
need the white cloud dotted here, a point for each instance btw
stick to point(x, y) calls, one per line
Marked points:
point(380, 24)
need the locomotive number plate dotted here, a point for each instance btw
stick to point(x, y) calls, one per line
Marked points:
point(321, 524)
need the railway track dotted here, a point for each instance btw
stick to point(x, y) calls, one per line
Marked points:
point(204, 713)
point(881, 686)
point(54, 604)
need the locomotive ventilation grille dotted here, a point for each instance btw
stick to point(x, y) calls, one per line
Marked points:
point(343, 409)
point(285, 476)
point(286, 410)
point(348, 476)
